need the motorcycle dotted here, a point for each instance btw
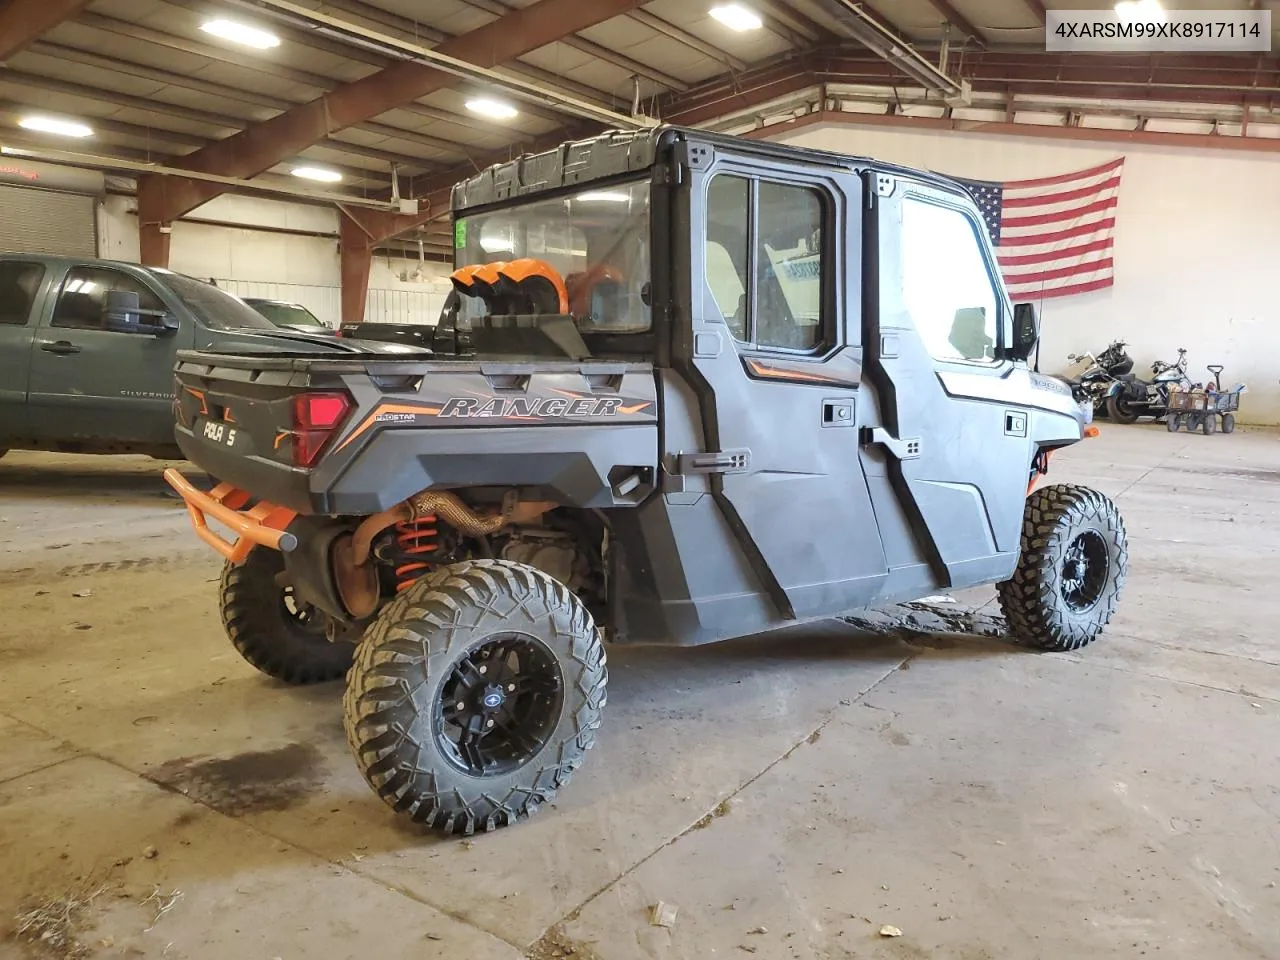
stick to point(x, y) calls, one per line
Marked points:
point(1101, 371)
point(1129, 398)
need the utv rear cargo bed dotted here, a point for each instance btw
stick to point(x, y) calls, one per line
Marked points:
point(251, 420)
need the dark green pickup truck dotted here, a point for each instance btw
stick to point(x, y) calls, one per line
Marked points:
point(87, 349)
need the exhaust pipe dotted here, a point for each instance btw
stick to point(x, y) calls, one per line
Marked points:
point(449, 508)
point(356, 579)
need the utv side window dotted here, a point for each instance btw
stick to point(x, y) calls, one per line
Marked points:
point(764, 261)
point(947, 287)
point(728, 235)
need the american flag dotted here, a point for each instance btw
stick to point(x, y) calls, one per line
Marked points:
point(1053, 236)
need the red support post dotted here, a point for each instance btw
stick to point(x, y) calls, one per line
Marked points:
point(359, 231)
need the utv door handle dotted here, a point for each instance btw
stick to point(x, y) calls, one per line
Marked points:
point(723, 461)
point(59, 346)
point(905, 449)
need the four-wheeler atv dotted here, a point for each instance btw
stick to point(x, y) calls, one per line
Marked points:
point(687, 388)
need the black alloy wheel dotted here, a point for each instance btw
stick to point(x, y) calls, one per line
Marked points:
point(499, 706)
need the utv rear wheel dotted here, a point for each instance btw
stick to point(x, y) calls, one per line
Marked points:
point(1073, 566)
point(1120, 410)
point(475, 694)
point(279, 635)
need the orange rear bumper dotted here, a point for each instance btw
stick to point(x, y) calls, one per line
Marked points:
point(262, 525)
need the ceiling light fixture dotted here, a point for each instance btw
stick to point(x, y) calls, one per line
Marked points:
point(1140, 11)
point(494, 109)
point(241, 33)
point(319, 174)
point(737, 17)
point(63, 128)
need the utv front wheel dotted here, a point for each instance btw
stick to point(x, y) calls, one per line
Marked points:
point(275, 632)
point(475, 694)
point(1073, 565)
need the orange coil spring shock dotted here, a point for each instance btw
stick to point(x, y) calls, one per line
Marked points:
point(416, 543)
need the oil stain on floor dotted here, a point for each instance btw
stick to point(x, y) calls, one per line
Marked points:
point(248, 782)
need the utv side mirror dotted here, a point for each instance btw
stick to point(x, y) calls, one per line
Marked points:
point(122, 313)
point(1026, 331)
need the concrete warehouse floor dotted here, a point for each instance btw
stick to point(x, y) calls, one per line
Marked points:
point(789, 794)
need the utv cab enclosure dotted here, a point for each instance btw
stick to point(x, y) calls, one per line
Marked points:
point(688, 387)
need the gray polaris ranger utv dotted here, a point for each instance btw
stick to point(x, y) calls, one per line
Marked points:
point(687, 388)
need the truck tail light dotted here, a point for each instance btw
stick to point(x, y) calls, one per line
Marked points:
point(316, 417)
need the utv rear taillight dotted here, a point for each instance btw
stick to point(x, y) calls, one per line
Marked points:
point(316, 416)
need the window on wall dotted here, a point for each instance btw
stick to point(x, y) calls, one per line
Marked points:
point(947, 285)
point(19, 282)
point(84, 294)
point(764, 262)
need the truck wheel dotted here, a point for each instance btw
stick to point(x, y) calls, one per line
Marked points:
point(1228, 423)
point(1119, 410)
point(271, 630)
point(1210, 424)
point(475, 694)
point(1171, 422)
point(1074, 560)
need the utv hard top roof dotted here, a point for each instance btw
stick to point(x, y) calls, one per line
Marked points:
point(616, 153)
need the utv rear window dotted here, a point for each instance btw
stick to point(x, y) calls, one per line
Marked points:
point(585, 255)
point(764, 261)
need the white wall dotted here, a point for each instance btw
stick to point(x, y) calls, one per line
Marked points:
point(258, 262)
point(1197, 247)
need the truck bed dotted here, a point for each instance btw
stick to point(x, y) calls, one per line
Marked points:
point(413, 421)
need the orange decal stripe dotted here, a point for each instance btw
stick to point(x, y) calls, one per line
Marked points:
point(199, 395)
point(788, 373)
point(380, 409)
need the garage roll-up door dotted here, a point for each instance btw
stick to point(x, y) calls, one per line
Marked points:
point(47, 221)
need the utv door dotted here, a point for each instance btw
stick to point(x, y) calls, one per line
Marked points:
point(778, 375)
point(948, 451)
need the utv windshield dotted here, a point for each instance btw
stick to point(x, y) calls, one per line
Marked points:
point(585, 255)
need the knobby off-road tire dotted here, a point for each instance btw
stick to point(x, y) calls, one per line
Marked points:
point(408, 704)
point(1119, 410)
point(1074, 560)
point(284, 642)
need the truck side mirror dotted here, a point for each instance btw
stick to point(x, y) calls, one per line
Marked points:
point(122, 313)
point(1026, 331)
